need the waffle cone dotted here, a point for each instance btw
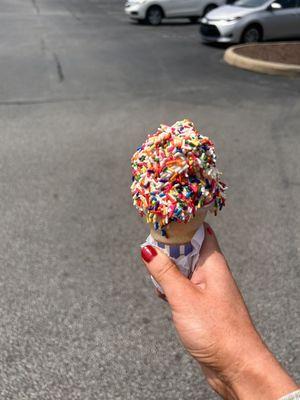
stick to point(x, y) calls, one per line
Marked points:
point(180, 233)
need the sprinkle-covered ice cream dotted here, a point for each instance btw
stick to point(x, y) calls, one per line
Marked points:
point(174, 173)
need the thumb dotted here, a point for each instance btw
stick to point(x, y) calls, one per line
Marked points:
point(165, 272)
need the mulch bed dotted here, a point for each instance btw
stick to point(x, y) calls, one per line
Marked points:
point(286, 53)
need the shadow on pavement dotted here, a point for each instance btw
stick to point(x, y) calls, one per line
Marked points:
point(164, 24)
point(222, 46)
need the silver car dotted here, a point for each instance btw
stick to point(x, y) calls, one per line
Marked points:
point(154, 11)
point(252, 21)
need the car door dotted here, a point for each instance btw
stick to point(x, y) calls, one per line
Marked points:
point(181, 8)
point(196, 7)
point(282, 22)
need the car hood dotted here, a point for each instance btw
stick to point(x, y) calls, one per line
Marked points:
point(225, 12)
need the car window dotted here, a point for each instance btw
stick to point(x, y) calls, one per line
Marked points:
point(287, 3)
point(249, 3)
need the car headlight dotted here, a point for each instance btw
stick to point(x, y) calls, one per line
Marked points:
point(222, 21)
point(232, 19)
point(228, 20)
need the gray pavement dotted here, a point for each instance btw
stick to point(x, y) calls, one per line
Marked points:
point(80, 86)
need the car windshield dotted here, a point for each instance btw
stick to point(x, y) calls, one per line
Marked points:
point(249, 3)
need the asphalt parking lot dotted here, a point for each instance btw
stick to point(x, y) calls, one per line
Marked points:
point(80, 87)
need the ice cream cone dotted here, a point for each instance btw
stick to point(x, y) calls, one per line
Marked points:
point(180, 233)
point(175, 181)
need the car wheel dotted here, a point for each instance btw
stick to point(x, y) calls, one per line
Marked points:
point(194, 20)
point(209, 8)
point(154, 15)
point(252, 34)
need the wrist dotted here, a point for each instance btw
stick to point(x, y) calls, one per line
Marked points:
point(260, 377)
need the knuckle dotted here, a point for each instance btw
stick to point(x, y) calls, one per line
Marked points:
point(165, 270)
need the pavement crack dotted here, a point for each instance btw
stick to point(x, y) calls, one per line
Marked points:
point(74, 15)
point(35, 6)
point(51, 56)
point(43, 45)
point(59, 69)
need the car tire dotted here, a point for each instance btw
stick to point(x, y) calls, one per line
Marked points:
point(154, 16)
point(194, 20)
point(209, 8)
point(252, 34)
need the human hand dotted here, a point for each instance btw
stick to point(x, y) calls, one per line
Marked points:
point(214, 325)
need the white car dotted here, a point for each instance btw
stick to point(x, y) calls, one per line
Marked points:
point(251, 21)
point(153, 11)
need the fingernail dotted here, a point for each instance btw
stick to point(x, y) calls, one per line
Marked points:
point(209, 231)
point(148, 252)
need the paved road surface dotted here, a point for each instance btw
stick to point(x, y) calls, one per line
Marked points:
point(80, 86)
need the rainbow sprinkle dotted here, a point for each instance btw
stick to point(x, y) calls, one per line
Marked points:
point(174, 173)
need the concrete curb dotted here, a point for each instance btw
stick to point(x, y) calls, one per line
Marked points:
point(267, 67)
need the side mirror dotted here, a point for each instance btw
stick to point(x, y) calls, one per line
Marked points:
point(274, 6)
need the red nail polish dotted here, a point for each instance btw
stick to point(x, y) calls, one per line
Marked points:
point(148, 252)
point(209, 231)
